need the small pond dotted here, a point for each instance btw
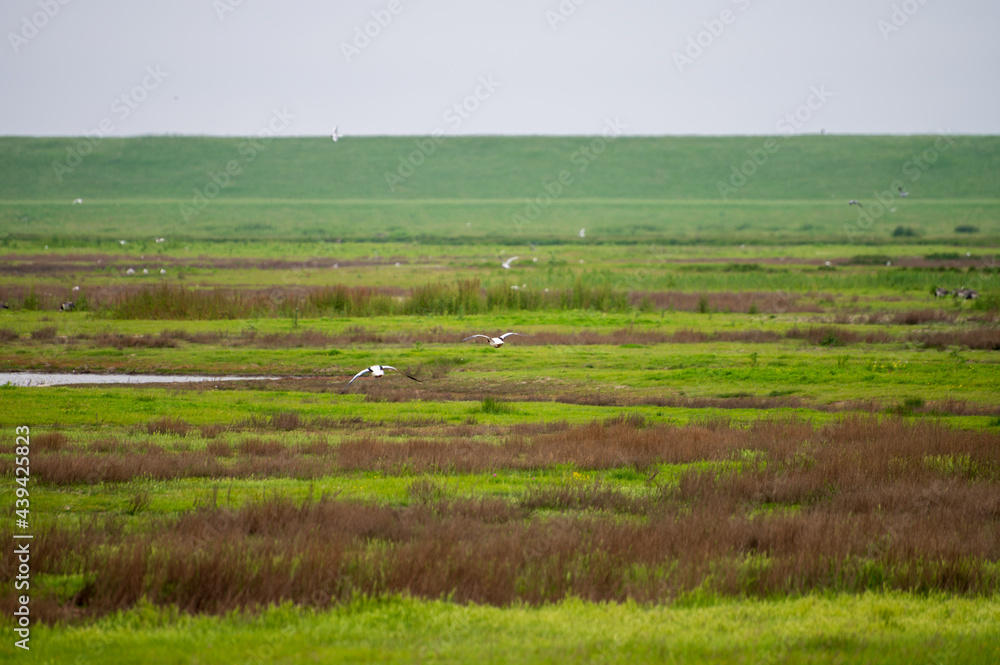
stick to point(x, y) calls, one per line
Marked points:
point(39, 379)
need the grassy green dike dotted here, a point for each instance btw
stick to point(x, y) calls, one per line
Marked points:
point(806, 168)
point(636, 189)
point(884, 628)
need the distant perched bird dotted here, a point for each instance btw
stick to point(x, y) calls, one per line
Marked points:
point(121, 242)
point(941, 293)
point(76, 288)
point(3, 305)
point(130, 271)
point(336, 135)
point(506, 264)
point(903, 193)
point(145, 271)
point(77, 201)
point(888, 263)
point(159, 240)
point(378, 371)
point(163, 271)
point(582, 234)
point(828, 264)
point(496, 342)
point(67, 306)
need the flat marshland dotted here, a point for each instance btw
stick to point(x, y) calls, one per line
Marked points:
point(736, 429)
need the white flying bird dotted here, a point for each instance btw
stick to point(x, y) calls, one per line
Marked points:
point(336, 135)
point(77, 200)
point(506, 264)
point(854, 202)
point(377, 371)
point(496, 342)
point(582, 234)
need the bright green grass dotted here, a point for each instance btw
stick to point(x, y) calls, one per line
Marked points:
point(58, 407)
point(476, 255)
point(821, 375)
point(640, 222)
point(884, 628)
point(51, 504)
point(560, 321)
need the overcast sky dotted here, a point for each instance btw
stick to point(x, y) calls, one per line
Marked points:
point(499, 66)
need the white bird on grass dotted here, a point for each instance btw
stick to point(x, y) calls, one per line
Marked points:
point(336, 135)
point(583, 233)
point(496, 342)
point(378, 371)
point(506, 264)
point(77, 200)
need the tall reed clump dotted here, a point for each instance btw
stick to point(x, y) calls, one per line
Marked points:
point(165, 301)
